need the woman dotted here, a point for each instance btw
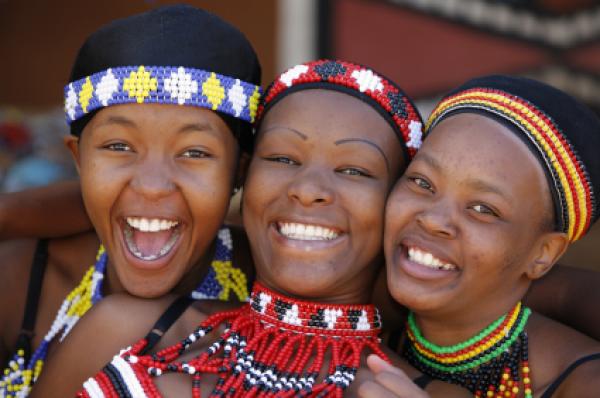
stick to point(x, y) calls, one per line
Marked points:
point(146, 138)
point(332, 139)
point(507, 177)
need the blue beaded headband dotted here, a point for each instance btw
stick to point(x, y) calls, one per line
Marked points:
point(161, 85)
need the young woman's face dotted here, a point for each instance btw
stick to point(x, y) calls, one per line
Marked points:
point(462, 222)
point(315, 192)
point(156, 182)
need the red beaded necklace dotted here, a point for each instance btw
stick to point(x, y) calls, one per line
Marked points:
point(272, 346)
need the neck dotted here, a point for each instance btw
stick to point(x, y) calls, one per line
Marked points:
point(454, 327)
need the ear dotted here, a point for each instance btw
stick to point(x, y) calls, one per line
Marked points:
point(72, 144)
point(551, 246)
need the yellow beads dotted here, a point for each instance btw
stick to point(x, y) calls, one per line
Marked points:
point(214, 91)
point(230, 278)
point(139, 84)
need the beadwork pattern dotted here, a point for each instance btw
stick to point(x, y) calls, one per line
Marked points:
point(487, 364)
point(570, 180)
point(161, 85)
point(272, 346)
point(390, 99)
point(21, 374)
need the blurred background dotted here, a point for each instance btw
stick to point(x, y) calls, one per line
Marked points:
point(427, 46)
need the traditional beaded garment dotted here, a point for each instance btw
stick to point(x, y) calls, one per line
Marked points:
point(487, 364)
point(272, 346)
point(222, 279)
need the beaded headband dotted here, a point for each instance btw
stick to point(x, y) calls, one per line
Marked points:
point(571, 185)
point(161, 85)
point(382, 94)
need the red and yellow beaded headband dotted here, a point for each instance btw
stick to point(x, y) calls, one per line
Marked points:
point(570, 182)
point(356, 80)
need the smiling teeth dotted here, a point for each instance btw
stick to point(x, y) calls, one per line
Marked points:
point(150, 224)
point(306, 232)
point(428, 260)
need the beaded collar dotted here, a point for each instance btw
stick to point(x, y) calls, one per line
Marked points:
point(222, 280)
point(272, 346)
point(486, 364)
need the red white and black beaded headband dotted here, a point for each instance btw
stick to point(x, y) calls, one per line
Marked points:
point(356, 80)
point(161, 85)
point(570, 183)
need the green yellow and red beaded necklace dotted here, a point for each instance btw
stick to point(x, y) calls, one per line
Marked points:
point(494, 363)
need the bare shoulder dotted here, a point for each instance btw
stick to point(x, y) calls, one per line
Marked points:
point(73, 255)
point(553, 347)
point(117, 322)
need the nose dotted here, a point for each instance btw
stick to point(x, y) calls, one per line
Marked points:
point(311, 187)
point(438, 220)
point(153, 179)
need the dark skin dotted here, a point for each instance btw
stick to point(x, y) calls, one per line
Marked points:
point(141, 161)
point(472, 215)
point(306, 171)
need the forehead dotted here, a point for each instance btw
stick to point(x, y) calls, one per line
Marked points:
point(165, 117)
point(326, 113)
point(468, 144)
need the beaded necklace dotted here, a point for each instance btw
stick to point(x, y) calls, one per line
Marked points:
point(221, 280)
point(272, 346)
point(486, 364)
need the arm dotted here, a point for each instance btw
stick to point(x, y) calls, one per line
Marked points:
point(53, 211)
point(570, 296)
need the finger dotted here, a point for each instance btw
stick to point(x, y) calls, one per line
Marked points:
point(376, 364)
point(370, 389)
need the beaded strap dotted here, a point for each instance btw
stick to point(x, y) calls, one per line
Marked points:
point(487, 364)
point(161, 85)
point(20, 375)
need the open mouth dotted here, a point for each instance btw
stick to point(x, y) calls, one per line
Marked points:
point(298, 231)
point(149, 239)
point(428, 260)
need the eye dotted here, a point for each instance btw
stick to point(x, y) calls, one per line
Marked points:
point(195, 154)
point(421, 183)
point(353, 171)
point(118, 147)
point(483, 209)
point(281, 159)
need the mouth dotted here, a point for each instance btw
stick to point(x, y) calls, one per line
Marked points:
point(426, 259)
point(150, 239)
point(310, 232)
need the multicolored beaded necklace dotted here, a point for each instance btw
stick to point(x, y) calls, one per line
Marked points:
point(272, 346)
point(222, 279)
point(487, 364)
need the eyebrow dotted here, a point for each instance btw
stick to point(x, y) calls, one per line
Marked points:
point(197, 127)
point(370, 143)
point(431, 161)
point(297, 132)
point(117, 120)
point(484, 186)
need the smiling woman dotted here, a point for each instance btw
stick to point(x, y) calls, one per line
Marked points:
point(157, 145)
point(507, 177)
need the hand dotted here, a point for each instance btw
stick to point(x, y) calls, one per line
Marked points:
point(389, 382)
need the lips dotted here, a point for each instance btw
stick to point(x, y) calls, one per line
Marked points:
point(150, 239)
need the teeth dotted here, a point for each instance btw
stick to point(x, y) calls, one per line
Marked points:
point(306, 232)
point(428, 259)
point(150, 225)
point(138, 224)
